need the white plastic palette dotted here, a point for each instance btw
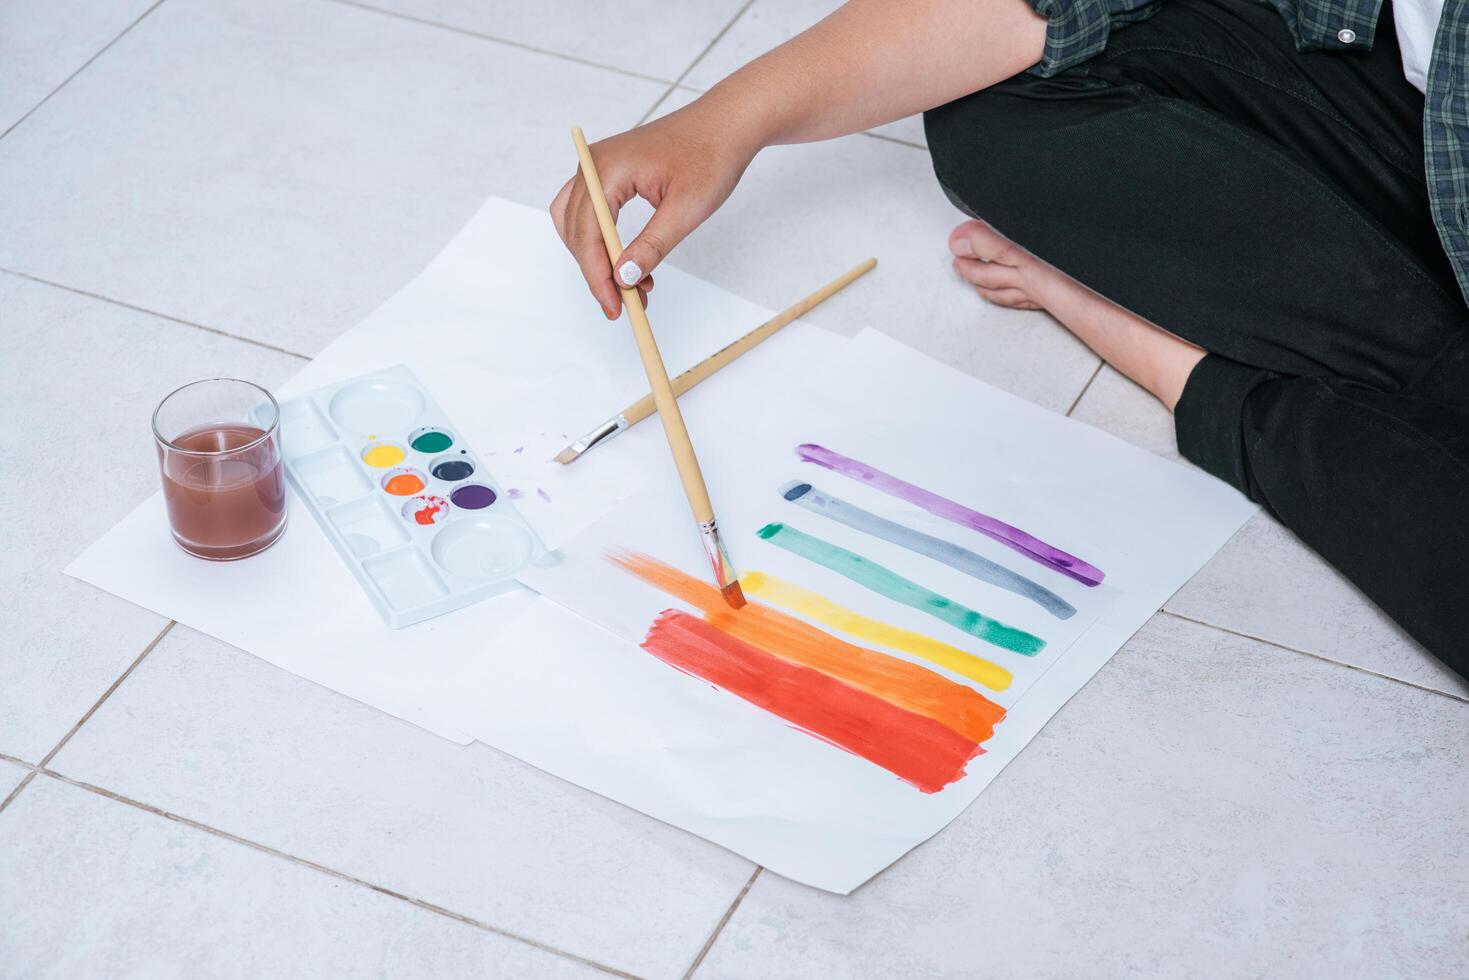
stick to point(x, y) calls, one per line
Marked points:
point(408, 505)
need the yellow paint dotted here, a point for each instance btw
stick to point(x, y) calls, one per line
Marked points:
point(383, 455)
point(801, 600)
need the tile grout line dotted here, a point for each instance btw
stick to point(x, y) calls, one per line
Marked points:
point(40, 766)
point(1314, 656)
point(480, 35)
point(85, 65)
point(331, 872)
point(106, 694)
point(674, 86)
point(723, 921)
point(1086, 387)
point(162, 316)
point(18, 787)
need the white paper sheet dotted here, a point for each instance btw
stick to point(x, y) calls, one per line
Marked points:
point(596, 710)
point(501, 329)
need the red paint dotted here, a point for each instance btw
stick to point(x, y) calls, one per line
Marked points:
point(913, 747)
point(426, 513)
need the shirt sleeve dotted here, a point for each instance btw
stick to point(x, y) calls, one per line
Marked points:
point(1078, 29)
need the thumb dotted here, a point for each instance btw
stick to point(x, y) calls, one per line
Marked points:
point(668, 226)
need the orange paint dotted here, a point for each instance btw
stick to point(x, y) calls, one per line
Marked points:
point(906, 684)
point(403, 485)
point(915, 748)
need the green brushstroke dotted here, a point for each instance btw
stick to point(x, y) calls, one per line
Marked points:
point(873, 576)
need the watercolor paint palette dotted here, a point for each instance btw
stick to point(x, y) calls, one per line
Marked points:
point(408, 505)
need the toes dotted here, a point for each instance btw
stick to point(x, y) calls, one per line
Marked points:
point(1013, 298)
point(977, 240)
point(988, 275)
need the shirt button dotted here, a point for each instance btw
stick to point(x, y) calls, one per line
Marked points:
point(1346, 35)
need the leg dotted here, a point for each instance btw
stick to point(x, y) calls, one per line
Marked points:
point(1337, 390)
point(1008, 275)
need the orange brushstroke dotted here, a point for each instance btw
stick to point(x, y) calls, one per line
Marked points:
point(915, 748)
point(905, 684)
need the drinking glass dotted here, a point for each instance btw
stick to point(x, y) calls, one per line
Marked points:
point(219, 451)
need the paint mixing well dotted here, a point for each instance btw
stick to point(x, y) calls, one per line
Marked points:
point(407, 504)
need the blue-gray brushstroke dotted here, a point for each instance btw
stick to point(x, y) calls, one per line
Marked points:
point(975, 566)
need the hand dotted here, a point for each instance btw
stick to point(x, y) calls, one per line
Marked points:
point(683, 164)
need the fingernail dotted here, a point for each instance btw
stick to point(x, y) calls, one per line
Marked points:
point(961, 246)
point(630, 274)
point(608, 313)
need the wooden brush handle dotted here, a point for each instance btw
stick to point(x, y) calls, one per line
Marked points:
point(645, 406)
point(662, 390)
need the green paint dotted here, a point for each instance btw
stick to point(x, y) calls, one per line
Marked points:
point(433, 442)
point(873, 576)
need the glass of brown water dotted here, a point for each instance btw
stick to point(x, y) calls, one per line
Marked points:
point(219, 448)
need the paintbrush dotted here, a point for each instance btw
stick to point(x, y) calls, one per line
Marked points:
point(644, 406)
point(663, 398)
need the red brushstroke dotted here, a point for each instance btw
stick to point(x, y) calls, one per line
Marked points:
point(913, 747)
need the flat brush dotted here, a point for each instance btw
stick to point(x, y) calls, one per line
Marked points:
point(644, 406)
point(662, 391)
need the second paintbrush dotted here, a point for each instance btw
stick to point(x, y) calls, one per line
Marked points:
point(645, 406)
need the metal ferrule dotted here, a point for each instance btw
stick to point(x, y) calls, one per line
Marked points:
point(724, 573)
point(601, 433)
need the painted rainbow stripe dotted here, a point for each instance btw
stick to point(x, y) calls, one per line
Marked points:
point(814, 606)
point(1011, 537)
point(871, 575)
point(961, 559)
point(911, 721)
point(909, 685)
point(916, 749)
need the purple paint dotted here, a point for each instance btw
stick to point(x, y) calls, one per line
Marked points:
point(543, 495)
point(520, 449)
point(515, 493)
point(1011, 537)
point(473, 496)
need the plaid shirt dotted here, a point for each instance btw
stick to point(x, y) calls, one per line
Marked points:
point(1079, 29)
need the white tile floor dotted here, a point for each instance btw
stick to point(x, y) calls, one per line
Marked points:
point(194, 186)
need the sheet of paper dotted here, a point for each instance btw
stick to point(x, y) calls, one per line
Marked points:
point(655, 728)
point(501, 329)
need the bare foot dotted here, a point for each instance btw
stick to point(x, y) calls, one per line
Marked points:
point(1007, 275)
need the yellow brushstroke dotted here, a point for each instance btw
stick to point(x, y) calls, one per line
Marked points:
point(812, 605)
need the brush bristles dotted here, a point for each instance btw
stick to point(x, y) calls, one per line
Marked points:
point(568, 455)
point(733, 595)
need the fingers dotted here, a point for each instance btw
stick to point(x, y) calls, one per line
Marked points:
point(671, 222)
point(584, 239)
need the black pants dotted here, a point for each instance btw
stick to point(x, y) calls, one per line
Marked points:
point(1270, 207)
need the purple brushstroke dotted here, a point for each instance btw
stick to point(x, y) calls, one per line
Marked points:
point(543, 495)
point(1011, 537)
point(515, 493)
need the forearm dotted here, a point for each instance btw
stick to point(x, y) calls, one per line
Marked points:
point(873, 61)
